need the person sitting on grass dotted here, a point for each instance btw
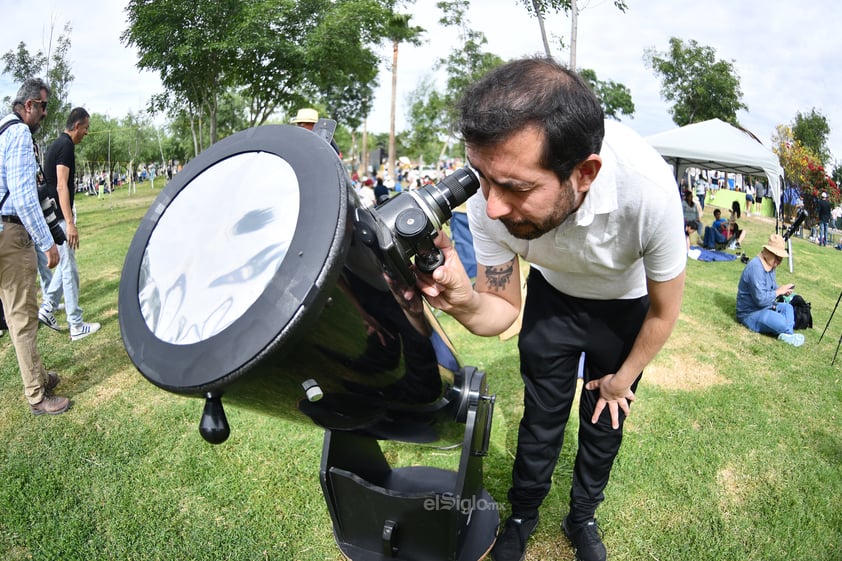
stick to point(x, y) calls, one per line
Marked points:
point(757, 293)
point(735, 235)
point(715, 233)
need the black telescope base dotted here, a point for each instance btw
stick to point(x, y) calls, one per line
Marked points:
point(415, 514)
point(412, 513)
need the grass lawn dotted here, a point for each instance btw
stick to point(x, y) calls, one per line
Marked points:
point(733, 450)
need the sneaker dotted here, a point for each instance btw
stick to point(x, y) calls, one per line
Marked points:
point(52, 381)
point(586, 540)
point(511, 543)
point(46, 317)
point(50, 405)
point(794, 339)
point(83, 330)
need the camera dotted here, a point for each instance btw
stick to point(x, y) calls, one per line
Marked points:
point(49, 207)
point(405, 226)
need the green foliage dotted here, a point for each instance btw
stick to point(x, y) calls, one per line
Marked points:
point(804, 169)
point(433, 113)
point(278, 55)
point(615, 98)
point(812, 130)
point(699, 86)
point(52, 65)
point(429, 115)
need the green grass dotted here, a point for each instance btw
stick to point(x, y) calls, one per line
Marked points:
point(733, 449)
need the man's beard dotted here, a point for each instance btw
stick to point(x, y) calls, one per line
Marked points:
point(560, 210)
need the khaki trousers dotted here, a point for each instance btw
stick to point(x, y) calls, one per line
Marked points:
point(18, 269)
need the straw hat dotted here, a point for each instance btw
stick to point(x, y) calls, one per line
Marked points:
point(306, 115)
point(776, 245)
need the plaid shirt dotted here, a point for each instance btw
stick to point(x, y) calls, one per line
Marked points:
point(18, 168)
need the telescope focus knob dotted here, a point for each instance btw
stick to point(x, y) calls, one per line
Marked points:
point(411, 222)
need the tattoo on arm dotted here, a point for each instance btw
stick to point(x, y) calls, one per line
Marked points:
point(498, 278)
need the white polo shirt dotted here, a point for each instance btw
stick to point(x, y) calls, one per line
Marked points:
point(630, 227)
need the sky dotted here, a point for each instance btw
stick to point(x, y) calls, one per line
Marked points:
point(786, 54)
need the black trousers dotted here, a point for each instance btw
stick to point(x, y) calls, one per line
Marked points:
point(556, 329)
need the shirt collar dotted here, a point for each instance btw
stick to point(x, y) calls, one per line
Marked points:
point(601, 198)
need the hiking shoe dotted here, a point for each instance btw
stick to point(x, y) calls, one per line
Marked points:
point(52, 381)
point(511, 543)
point(50, 405)
point(46, 317)
point(794, 339)
point(586, 540)
point(83, 330)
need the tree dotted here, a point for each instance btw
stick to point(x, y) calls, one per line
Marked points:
point(804, 170)
point(538, 8)
point(699, 86)
point(429, 115)
point(52, 64)
point(398, 31)
point(615, 98)
point(812, 131)
point(465, 64)
point(277, 55)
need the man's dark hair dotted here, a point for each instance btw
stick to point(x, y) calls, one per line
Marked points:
point(30, 89)
point(77, 115)
point(535, 91)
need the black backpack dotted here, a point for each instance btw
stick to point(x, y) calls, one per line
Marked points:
point(803, 312)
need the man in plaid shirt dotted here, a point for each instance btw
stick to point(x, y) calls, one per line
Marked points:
point(24, 227)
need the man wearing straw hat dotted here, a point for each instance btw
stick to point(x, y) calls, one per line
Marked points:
point(757, 293)
point(307, 118)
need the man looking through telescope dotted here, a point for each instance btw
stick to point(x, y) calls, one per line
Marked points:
point(592, 207)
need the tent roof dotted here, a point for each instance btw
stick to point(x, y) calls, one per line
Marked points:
point(716, 145)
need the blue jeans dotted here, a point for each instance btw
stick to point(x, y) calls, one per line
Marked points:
point(45, 274)
point(822, 233)
point(66, 281)
point(772, 322)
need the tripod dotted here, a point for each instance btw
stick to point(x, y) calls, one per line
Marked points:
point(826, 326)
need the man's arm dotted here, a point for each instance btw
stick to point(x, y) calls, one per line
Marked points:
point(63, 177)
point(487, 309)
point(664, 307)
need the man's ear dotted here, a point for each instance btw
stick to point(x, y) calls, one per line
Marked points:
point(587, 171)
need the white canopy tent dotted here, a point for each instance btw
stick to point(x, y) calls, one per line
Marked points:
point(716, 145)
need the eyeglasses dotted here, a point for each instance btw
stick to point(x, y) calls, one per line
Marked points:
point(42, 102)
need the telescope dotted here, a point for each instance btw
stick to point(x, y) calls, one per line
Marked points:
point(799, 219)
point(257, 279)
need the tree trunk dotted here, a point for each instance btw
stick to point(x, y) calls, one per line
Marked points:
point(574, 29)
point(541, 25)
point(390, 163)
point(363, 169)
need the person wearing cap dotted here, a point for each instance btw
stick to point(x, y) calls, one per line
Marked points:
point(758, 291)
point(824, 211)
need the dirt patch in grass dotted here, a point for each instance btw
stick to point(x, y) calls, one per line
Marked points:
point(683, 373)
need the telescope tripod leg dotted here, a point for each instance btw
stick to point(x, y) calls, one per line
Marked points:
point(831, 317)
